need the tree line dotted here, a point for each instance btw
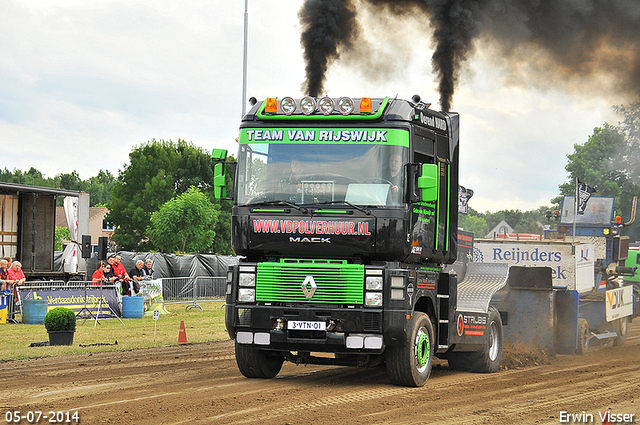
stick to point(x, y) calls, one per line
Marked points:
point(162, 200)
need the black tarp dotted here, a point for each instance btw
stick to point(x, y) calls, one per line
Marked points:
point(173, 265)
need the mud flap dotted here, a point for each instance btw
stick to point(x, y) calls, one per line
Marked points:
point(527, 309)
point(567, 305)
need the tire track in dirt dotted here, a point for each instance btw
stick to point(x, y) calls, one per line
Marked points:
point(200, 383)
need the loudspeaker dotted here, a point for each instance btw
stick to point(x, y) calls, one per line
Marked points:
point(102, 248)
point(86, 246)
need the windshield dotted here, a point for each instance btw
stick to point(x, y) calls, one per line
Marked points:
point(370, 174)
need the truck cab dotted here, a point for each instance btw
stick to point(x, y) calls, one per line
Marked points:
point(345, 212)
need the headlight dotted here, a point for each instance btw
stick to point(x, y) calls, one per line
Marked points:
point(288, 105)
point(325, 105)
point(308, 105)
point(345, 105)
point(374, 283)
point(247, 295)
point(247, 279)
point(373, 299)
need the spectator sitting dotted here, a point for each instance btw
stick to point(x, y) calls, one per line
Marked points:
point(99, 276)
point(147, 270)
point(137, 275)
point(109, 273)
point(118, 268)
point(5, 284)
point(16, 275)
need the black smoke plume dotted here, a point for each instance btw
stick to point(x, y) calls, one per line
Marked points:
point(327, 27)
point(593, 45)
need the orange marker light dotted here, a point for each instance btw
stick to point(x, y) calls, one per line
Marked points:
point(365, 105)
point(618, 219)
point(271, 105)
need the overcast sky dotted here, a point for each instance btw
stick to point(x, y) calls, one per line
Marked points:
point(82, 83)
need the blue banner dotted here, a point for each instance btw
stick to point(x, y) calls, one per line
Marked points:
point(74, 298)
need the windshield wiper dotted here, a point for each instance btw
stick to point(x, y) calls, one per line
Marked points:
point(364, 210)
point(280, 202)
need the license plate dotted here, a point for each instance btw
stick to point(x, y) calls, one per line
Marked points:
point(299, 325)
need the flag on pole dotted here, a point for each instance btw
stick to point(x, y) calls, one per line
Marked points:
point(583, 193)
point(464, 195)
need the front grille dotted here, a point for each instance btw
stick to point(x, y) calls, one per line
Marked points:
point(336, 281)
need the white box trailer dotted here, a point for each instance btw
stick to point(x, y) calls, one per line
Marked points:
point(555, 298)
point(572, 265)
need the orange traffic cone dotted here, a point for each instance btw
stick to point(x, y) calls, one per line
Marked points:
point(182, 336)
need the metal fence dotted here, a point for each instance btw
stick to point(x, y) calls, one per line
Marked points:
point(17, 302)
point(175, 290)
point(193, 290)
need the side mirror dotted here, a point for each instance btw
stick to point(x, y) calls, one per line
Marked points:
point(219, 178)
point(428, 182)
point(219, 184)
point(219, 154)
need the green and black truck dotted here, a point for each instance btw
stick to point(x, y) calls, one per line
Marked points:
point(344, 218)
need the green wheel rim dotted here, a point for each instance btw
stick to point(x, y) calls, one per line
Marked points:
point(423, 348)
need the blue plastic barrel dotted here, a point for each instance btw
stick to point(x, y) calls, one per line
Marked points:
point(33, 311)
point(132, 307)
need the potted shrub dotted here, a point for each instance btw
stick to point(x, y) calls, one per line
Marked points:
point(61, 325)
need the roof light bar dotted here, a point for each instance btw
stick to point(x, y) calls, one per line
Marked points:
point(271, 105)
point(288, 105)
point(308, 105)
point(346, 105)
point(365, 105)
point(326, 105)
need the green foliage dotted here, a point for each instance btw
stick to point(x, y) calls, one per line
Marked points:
point(521, 221)
point(99, 187)
point(61, 234)
point(609, 161)
point(157, 172)
point(60, 319)
point(185, 223)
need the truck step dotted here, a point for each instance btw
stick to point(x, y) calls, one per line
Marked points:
point(606, 335)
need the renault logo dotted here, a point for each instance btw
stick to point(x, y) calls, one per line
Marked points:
point(309, 287)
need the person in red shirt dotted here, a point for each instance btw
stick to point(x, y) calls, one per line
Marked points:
point(118, 268)
point(99, 277)
point(16, 274)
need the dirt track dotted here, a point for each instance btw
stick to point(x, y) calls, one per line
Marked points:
point(200, 384)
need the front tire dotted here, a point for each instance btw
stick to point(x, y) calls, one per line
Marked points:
point(255, 363)
point(410, 364)
point(486, 360)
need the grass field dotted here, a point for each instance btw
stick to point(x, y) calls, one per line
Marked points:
point(200, 326)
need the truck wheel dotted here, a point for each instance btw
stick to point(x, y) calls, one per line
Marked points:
point(583, 336)
point(486, 360)
point(255, 363)
point(410, 364)
point(620, 327)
